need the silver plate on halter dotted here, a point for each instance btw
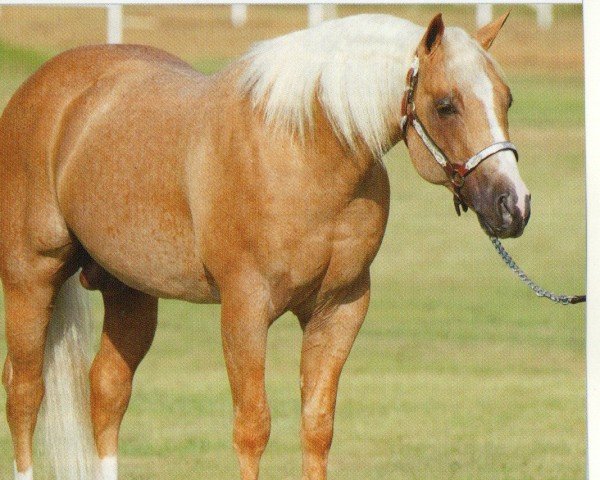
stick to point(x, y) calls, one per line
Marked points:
point(488, 152)
point(429, 143)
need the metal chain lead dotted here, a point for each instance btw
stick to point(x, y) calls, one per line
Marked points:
point(539, 291)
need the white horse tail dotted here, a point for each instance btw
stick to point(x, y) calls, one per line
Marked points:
point(66, 416)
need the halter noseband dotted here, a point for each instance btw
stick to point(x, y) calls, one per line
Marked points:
point(457, 172)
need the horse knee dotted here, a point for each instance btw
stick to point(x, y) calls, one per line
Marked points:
point(317, 432)
point(252, 430)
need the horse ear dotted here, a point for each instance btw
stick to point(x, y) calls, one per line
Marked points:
point(433, 36)
point(487, 34)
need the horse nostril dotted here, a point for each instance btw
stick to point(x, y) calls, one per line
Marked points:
point(527, 212)
point(502, 205)
point(512, 213)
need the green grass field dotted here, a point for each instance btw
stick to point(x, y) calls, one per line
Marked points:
point(459, 372)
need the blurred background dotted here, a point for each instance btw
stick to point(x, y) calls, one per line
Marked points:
point(460, 372)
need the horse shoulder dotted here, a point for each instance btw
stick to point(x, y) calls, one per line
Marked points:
point(359, 230)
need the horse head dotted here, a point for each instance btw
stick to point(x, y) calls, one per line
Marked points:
point(456, 112)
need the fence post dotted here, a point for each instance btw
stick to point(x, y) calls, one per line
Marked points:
point(114, 24)
point(544, 15)
point(239, 14)
point(483, 14)
point(317, 12)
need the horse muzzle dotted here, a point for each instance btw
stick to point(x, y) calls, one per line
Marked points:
point(507, 216)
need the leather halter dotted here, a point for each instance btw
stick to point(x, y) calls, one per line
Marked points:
point(457, 172)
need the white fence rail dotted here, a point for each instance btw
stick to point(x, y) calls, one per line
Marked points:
point(316, 13)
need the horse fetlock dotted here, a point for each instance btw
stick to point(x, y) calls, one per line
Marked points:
point(23, 402)
point(26, 474)
point(107, 468)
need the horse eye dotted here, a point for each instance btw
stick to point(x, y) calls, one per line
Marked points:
point(445, 107)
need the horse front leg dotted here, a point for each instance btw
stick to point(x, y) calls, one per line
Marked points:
point(328, 337)
point(244, 325)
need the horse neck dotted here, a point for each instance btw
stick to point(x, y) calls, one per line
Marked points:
point(357, 71)
point(319, 151)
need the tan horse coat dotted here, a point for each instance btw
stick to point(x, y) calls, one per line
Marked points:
point(160, 182)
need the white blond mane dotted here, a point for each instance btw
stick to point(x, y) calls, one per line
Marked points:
point(355, 66)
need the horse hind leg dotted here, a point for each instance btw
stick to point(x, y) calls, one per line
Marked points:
point(130, 320)
point(27, 316)
point(30, 295)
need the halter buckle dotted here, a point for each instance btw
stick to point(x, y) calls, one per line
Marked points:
point(457, 179)
point(459, 203)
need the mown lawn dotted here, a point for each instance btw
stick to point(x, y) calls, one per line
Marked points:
point(459, 373)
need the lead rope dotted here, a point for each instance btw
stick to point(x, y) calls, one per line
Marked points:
point(539, 291)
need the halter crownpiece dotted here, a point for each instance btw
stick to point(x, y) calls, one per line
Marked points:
point(457, 172)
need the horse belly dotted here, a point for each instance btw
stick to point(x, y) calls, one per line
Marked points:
point(151, 251)
point(132, 216)
point(145, 246)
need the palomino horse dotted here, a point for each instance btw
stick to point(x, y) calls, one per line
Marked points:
point(260, 187)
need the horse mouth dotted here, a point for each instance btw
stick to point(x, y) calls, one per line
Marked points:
point(512, 229)
point(504, 216)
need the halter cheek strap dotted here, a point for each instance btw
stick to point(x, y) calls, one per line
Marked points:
point(457, 172)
